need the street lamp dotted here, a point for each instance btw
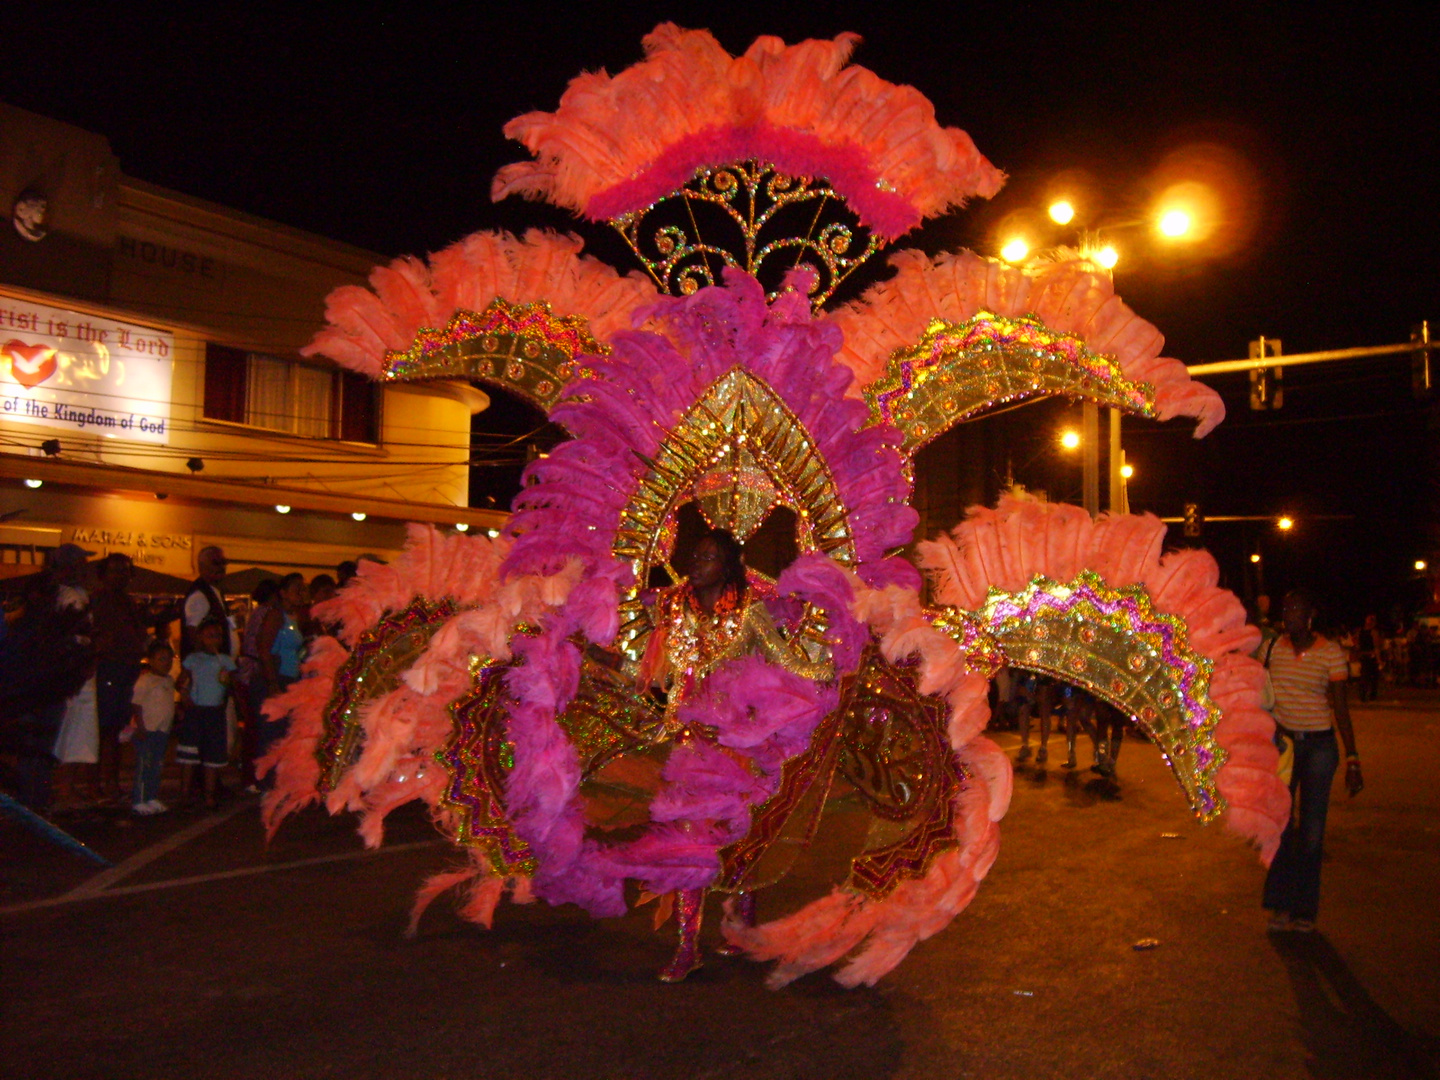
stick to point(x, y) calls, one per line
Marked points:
point(1255, 558)
point(1070, 439)
point(1127, 470)
point(1062, 212)
point(1421, 565)
point(1015, 250)
point(1285, 523)
point(1175, 223)
point(1107, 256)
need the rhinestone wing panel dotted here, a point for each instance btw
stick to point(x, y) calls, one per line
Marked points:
point(526, 349)
point(956, 371)
point(373, 668)
point(1115, 645)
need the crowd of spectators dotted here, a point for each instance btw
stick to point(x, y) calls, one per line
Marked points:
point(91, 692)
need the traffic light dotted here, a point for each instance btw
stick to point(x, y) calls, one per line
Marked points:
point(1422, 379)
point(1267, 389)
point(1194, 520)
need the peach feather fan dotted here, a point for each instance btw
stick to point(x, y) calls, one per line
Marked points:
point(619, 143)
point(407, 295)
point(1069, 296)
point(1125, 549)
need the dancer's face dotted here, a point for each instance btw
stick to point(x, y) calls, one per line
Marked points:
point(707, 565)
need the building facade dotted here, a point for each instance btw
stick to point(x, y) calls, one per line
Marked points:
point(152, 395)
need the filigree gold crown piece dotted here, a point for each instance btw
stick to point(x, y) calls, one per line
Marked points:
point(754, 217)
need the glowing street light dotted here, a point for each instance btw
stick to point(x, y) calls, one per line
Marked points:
point(1175, 223)
point(1255, 558)
point(1421, 565)
point(1285, 524)
point(1070, 439)
point(1014, 250)
point(1127, 470)
point(1107, 257)
point(1061, 212)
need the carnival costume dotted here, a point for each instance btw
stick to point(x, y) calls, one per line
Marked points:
point(462, 675)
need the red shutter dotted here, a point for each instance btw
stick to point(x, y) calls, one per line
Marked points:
point(358, 419)
point(224, 383)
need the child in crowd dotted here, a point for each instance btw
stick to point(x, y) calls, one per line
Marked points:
point(153, 705)
point(206, 684)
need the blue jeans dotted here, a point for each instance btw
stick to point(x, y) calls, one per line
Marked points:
point(1293, 884)
point(150, 749)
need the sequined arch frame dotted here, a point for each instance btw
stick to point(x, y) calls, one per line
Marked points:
point(476, 759)
point(956, 371)
point(373, 668)
point(739, 416)
point(1114, 644)
point(742, 206)
point(523, 348)
point(887, 742)
point(895, 754)
point(604, 720)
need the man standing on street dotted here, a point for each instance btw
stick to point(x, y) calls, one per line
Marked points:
point(204, 601)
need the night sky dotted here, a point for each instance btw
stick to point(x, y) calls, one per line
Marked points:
point(381, 127)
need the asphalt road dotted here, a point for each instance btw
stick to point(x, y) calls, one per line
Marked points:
point(206, 954)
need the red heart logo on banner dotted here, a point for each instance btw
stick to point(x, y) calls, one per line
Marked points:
point(30, 364)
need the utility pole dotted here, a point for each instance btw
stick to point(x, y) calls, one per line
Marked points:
point(1119, 503)
point(1090, 455)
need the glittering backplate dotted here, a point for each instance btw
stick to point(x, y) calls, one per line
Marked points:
point(955, 371)
point(740, 422)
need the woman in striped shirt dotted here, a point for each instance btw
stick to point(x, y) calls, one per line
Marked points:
point(1309, 673)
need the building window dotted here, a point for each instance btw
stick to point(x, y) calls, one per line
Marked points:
point(281, 395)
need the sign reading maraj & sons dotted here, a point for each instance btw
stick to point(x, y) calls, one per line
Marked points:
point(82, 373)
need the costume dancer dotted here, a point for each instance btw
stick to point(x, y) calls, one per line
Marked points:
point(510, 683)
point(709, 619)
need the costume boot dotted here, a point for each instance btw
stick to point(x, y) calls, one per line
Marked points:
point(743, 911)
point(689, 906)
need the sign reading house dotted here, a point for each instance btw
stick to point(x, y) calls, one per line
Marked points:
point(82, 373)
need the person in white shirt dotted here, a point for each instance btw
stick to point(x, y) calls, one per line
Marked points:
point(154, 703)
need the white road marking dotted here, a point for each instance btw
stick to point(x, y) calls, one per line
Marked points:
point(76, 895)
point(106, 878)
